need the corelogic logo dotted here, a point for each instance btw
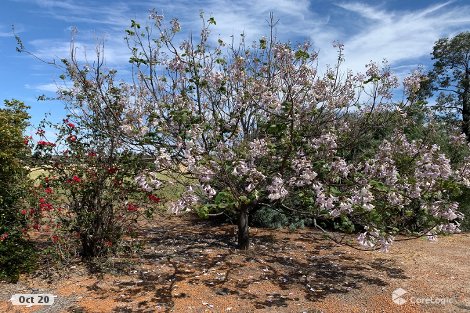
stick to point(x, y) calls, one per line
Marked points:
point(397, 296)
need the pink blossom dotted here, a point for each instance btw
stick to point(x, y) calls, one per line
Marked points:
point(3, 237)
point(276, 189)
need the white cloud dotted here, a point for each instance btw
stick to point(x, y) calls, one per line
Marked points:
point(401, 36)
point(366, 11)
point(404, 37)
point(43, 87)
point(294, 17)
point(115, 50)
point(233, 18)
point(48, 87)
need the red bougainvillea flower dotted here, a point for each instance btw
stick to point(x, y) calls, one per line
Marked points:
point(91, 154)
point(71, 125)
point(76, 179)
point(72, 138)
point(23, 212)
point(36, 226)
point(55, 238)
point(27, 139)
point(3, 236)
point(107, 243)
point(42, 200)
point(131, 207)
point(44, 143)
point(112, 170)
point(154, 198)
point(46, 207)
point(48, 190)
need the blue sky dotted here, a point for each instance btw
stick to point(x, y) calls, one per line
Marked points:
point(401, 31)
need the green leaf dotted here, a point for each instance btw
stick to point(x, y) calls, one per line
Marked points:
point(134, 24)
point(300, 54)
point(212, 21)
point(335, 191)
point(262, 43)
point(379, 185)
point(244, 199)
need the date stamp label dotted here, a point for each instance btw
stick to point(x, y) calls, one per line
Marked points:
point(29, 299)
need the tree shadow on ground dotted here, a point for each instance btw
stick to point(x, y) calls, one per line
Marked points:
point(203, 256)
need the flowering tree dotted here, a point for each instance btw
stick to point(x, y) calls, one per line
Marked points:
point(258, 124)
point(87, 196)
point(241, 127)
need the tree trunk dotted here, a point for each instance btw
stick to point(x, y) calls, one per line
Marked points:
point(243, 229)
point(88, 247)
point(466, 121)
point(466, 106)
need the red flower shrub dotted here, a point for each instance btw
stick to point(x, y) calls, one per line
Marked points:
point(154, 198)
point(131, 207)
point(27, 139)
point(46, 207)
point(43, 143)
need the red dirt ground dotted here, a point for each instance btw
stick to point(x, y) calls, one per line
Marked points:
point(189, 266)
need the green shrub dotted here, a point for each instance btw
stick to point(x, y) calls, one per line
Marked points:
point(15, 252)
point(464, 202)
point(277, 218)
point(17, 256)
point(270, 218)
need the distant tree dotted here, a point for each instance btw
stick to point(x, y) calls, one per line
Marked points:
point(450, 77)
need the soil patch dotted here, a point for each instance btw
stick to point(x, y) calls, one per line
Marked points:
point(189, 266)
